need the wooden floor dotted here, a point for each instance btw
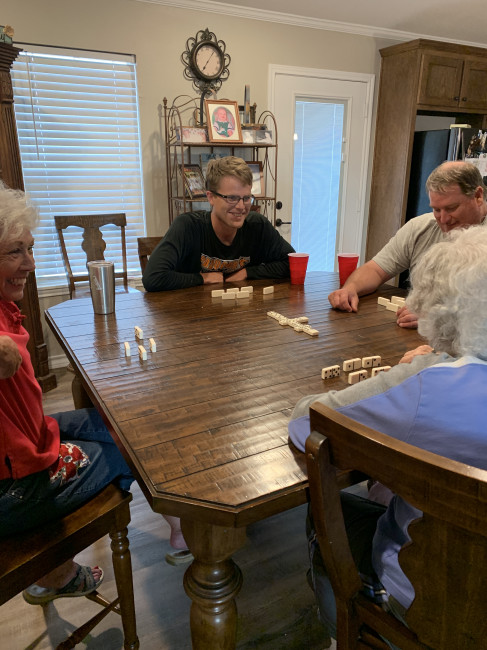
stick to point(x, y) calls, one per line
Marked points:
point(276, 607)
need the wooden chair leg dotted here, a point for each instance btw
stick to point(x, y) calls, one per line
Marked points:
point(122, 566)
point(81, 632)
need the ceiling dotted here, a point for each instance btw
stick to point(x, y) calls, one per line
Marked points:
point(446, 20)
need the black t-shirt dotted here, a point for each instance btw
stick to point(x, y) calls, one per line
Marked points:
point(190, 247)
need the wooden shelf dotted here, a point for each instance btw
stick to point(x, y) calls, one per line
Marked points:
point(178, 152)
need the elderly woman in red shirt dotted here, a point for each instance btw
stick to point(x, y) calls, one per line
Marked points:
point(48, 465)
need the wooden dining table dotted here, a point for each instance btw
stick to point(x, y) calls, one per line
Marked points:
point(203, 421)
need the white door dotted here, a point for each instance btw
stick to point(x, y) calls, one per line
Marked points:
point(322, 172)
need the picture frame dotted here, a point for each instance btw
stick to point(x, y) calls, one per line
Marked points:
point(206, 157)
point(258, 187)
point(223, 121)
point(191, 134)
point(263, 136)
point(194, 182)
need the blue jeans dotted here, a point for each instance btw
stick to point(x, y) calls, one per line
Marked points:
point(35, 499)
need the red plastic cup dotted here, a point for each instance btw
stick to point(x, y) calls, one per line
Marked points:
point(298, 263)
point(347, 263)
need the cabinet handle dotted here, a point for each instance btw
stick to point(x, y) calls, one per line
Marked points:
point(464, 99)
point(457, 99)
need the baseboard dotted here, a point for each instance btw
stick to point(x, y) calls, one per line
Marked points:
point(58, 361)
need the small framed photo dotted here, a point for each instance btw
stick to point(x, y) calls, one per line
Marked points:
point(223, 120)
point(263, 136)
point(258, 189)
point(194, 182)
point(206, 157)
point(248, 137)
point(191, 134)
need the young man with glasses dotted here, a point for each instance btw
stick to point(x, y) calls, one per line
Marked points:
point(230, 243)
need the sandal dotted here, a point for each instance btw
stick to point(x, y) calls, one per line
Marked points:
point(82, 584)
point(179, 557)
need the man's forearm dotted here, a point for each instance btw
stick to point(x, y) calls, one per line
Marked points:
point(366, 279)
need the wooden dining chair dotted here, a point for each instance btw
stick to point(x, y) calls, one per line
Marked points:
point(93, 243)
point(145, 246)
point(28, 556)
point(446, 560)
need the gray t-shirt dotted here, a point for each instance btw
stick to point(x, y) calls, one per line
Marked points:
point(405, 249)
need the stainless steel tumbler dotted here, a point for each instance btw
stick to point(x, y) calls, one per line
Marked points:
point(102, 286)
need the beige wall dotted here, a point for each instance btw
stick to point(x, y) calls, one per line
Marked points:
point(157, 35)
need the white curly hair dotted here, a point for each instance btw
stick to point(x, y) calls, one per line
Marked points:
point(449, 293)
point(16, 213)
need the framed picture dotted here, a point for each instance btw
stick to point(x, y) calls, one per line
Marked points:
point(263, 136)
point(191, 134)
point(223, 121)
point(206, 157)
point(257, 178)
point(193, 181)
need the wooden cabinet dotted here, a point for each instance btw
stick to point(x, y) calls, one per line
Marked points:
point(11, 174)
point(451, 81)
point(421, 77)
point(473, 93)
point(181, 152)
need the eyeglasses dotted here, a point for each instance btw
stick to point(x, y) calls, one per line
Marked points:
point(233, 199)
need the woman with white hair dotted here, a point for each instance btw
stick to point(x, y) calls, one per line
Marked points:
point(48, 465)
point(438, 402)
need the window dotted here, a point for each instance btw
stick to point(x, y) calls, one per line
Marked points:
point(78, 129)
point(317, 169)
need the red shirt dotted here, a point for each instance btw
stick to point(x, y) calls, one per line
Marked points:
point(29, 440)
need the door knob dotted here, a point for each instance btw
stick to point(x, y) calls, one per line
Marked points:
point(280, 222)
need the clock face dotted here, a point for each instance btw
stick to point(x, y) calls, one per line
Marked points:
point(208, 61)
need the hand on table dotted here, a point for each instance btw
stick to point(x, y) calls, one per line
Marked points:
point(407, 319)
point(212, 278)
point(345, 299)
point(410, 354)
point(10, 359)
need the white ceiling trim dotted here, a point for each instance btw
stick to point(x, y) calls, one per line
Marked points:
point(299, 21)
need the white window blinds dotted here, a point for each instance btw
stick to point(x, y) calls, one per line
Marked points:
point(78, 129)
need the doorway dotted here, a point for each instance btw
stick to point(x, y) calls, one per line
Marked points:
point(324, 122)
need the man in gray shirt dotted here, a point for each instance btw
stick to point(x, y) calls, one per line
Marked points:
point(458, 198)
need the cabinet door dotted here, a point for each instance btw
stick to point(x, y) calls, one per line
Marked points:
point(473, 93)
point(440, 80)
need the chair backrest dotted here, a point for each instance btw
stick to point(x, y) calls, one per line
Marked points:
point(145, 246)
point(446, 561)
point(93, 243)
point(28, 556)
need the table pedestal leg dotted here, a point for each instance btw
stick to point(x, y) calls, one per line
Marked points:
point(80, 396)
point(212, 582)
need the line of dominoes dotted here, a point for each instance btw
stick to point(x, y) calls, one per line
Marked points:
point(234, 293)
point(395, 303)
point(299, 324)
point(357, 368)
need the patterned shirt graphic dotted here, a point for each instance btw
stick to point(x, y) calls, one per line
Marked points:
point(223, 266)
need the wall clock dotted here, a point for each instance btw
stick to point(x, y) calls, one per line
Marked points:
point(206, 62)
